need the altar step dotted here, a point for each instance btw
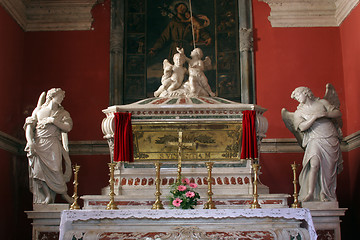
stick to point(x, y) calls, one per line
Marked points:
point(223, 202)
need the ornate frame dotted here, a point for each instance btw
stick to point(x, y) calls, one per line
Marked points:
point(246, 55)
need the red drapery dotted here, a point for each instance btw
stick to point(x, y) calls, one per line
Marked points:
point(249, 148)
point(123, 138)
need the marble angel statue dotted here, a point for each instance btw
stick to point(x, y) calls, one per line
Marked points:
point(47, 145)
point(173, 76)
point(198, 83)
point(316, 125)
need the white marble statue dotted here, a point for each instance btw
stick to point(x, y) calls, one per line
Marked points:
point(173, 84)
point(198, 81)
point(316, 125)
point(47, 145)
point(173, 76)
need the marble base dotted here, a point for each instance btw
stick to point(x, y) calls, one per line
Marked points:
point(223, 202)
point(46, 220)
point(326, 218)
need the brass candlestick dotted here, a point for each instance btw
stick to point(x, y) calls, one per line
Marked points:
point(296, 203)
point(255, 203)
point(157, 205)
point(111, 205)
point(178, 178)
point(209, 204)
point(75, 205)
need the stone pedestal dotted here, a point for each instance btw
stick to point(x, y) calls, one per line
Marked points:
point(46, 220)
point(326, 218)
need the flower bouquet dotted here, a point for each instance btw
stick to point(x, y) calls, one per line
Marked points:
point(183, 195)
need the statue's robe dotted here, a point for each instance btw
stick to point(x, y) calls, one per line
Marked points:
point(46, 164)
point(321, 140)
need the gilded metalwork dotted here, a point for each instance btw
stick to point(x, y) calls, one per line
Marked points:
point(255, 204)
point(209, 204)
point(296, 203)
point(75, 205)
point(211, 141)
point(111, 205)
point(158, 204)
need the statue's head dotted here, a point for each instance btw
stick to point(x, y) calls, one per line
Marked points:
point(197, 52)
point(178, 59)
point(55, 93)
point(302, 91)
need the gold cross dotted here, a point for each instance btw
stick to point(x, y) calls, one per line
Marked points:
point(180, 146)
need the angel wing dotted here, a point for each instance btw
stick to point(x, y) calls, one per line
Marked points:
point(332, 97)
point(166, 64)
point(41, 100)
point(207, 63)
point(288, 118)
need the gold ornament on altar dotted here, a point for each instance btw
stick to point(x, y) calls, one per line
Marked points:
point(209, 204)
point(296, 203)
point(158, 204)
point(75, 205)
point(255, 204)
point(111, 205)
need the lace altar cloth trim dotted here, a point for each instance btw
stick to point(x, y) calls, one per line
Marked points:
point(68, 216)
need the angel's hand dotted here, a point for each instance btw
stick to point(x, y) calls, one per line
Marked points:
point(50, 120)
point(32, 147)
point(180, 50)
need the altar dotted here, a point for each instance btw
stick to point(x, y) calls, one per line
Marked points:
point(188, 224)
point(211, 130)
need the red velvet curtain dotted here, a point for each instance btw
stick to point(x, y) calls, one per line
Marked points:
point(249, 148)
point(123, 138)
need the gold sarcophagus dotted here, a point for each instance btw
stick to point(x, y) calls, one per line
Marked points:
point(211, 128)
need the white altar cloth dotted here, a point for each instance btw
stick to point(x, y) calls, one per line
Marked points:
point(69, 216)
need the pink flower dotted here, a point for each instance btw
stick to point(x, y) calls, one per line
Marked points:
point(185, 180)
point(181, 188)
point(177, 202)
point(190, 194)
point(193, 185)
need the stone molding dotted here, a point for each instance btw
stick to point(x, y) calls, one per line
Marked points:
point(273, 145)
point(42, 15)
point(309, 13)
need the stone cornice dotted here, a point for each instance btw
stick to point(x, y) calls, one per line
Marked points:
point(60, 15)
point(279, 145)
point(309, 13)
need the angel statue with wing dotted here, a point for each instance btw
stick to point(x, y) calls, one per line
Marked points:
point(47, 145)
point(316, 125)
point(198, 82)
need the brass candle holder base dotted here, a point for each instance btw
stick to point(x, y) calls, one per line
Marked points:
point(209, 204)
point(296, 203)
point(75, 205)
point(158, 204)
point(111, 205)
point(255, 204)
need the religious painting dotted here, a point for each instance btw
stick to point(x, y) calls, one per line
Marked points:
point(152, 30)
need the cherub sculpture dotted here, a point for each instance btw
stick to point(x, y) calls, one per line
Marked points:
point(198, 82)
point(316, 125)
point(47, 145)
point(173, 76)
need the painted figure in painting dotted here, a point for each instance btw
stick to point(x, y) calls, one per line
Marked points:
point(316, 125)
point(179, 31)
point(47, 145)
point(173, 75)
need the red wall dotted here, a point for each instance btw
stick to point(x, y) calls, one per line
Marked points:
point(11, 66)
point(11, 73)
point(77, 62)
point(286, 58)
point(350, 37)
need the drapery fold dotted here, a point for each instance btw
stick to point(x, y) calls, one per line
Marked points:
point(123, 138)
point(249, 148)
